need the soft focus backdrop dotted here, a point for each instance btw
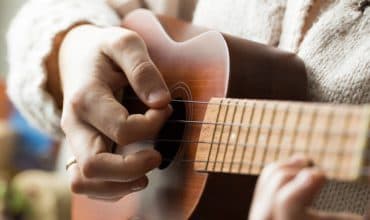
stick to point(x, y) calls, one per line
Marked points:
point(7, 11)
point(28, 185)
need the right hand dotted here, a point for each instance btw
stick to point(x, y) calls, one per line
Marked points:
point(285, 191)
point(95, 64)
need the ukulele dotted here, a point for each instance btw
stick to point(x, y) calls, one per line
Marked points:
point(227, 125)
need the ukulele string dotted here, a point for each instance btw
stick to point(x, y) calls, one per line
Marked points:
point(230, 104)
point(281, 147)
point(364, 171)
point(277, 128)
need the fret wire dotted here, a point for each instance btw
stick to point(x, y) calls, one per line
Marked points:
point(229, 135)
point(255, 126)
point(238, 134)
point(256, 139)
point(213, 135)
point(266, 148)
point(322, 151)
point(221, 133)
point(247, 133)
point(294, 137)
point(282, 131)
point(310, 133)
point(342, 142)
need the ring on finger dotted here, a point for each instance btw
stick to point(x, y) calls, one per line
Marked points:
point(70, 163)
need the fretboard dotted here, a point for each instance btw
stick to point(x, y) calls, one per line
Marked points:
point(242, 136)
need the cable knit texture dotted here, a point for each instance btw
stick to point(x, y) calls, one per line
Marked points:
point(335, 49)
point(292, 34)
point(253, 19)
point(338, 64)
point(336, 52)
point(30, 40)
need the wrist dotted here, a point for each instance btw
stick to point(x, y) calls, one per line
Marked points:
point(53, 85)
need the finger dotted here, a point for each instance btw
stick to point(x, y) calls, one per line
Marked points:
point(100, 108)
point(272, 179)
point(83, 140)
point(143, 127)
point(113, 167)
point(262, 205)
point(129, 52)
point(90, 150)
point(103, 189)
point(293, 199)
point(295, 163)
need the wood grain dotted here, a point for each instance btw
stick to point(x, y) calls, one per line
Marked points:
point(335, 137)
point(198, 64)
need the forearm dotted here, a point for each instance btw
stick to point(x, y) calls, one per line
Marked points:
point(33, 41)
point(53, 85)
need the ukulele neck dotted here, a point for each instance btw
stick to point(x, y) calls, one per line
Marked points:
point(242, 136)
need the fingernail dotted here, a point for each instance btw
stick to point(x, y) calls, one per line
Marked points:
point(158, 95)
point(140, 185)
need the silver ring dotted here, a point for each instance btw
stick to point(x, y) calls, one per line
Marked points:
point(70, 163)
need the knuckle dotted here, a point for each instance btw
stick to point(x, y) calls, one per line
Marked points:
point(118, 130)
point(131, 38)
point(77, 185)
point(281, 176)
point(81, 99)
point(126, 39)
point(88, 168)
point(77, 102)
point(140, 72)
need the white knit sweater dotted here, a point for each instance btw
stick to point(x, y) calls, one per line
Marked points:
point(332, 37)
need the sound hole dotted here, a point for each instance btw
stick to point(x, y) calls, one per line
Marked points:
point(171, 131)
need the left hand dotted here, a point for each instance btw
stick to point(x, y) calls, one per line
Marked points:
point(285, 191)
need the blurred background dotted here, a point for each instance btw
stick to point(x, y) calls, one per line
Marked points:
point(30, 189)
point(27, 157)
point(7, 10)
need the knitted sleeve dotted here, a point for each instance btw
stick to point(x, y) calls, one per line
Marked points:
point(30, 40)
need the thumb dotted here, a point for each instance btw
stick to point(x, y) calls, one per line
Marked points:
point(294, 197)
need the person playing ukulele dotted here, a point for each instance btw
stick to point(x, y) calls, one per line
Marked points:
point(69, 59)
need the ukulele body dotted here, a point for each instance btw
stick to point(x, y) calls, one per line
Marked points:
point(198, 64)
